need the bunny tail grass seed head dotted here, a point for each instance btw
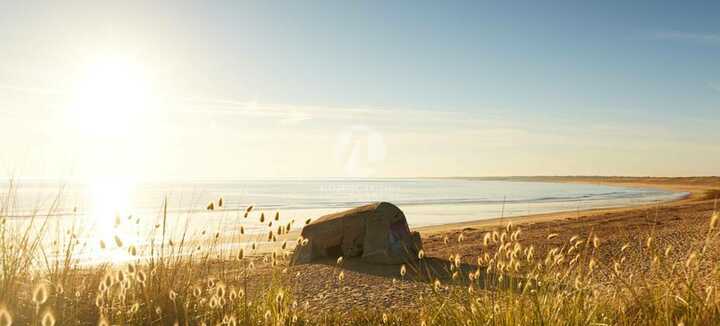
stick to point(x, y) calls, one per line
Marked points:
point(48, 319)
point(40, 294)
point(141, 277)
point(118, 241)
point(103, 321)
point(210, 206)
point(5, 317)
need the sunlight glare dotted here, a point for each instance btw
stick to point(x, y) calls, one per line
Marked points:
point(109, 202)
point(109, 97)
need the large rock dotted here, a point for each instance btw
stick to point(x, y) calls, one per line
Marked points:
point(377, 232)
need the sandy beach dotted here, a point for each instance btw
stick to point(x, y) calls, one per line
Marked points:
point(380, 287)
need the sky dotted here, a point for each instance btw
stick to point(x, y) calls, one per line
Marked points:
point(237, 89)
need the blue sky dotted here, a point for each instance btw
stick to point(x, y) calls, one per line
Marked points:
point(608, 87)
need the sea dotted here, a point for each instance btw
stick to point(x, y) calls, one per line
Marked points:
point(107, 209)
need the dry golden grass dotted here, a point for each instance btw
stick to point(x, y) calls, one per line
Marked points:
point(577, 280)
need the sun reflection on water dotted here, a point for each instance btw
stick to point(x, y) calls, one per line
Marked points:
point(109, 206)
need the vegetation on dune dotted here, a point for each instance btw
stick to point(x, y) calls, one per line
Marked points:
point(176, 281)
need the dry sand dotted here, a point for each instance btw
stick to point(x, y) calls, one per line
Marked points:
point(379, 287)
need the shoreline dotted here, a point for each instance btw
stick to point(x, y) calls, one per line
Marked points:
point(696, 193)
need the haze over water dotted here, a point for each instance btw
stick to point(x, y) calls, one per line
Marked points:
point(117, 209)
point(425, 201)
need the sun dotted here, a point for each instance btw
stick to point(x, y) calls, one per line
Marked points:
point(109, 97)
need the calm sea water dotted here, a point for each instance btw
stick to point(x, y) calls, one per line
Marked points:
point(97, 206)
point(425, 201)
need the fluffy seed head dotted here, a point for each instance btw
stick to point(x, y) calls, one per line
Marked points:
point(624, 247)
point(486, 239)
point(134, 308)
point(421, 254)
point(220, 292)
point(5, 317)
point(48, 319)
point(40, 294)
point(118, 241)
point(552, 236)
point(690, 260)
point(403, 270)
point(141, 277)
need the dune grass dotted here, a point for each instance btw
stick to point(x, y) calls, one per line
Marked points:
point(177, 281)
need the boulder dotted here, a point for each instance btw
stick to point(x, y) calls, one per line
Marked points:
point(377, 232)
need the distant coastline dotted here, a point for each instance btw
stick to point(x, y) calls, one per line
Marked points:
point(698, 189)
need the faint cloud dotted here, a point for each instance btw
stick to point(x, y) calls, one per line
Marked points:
point(701, 38)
